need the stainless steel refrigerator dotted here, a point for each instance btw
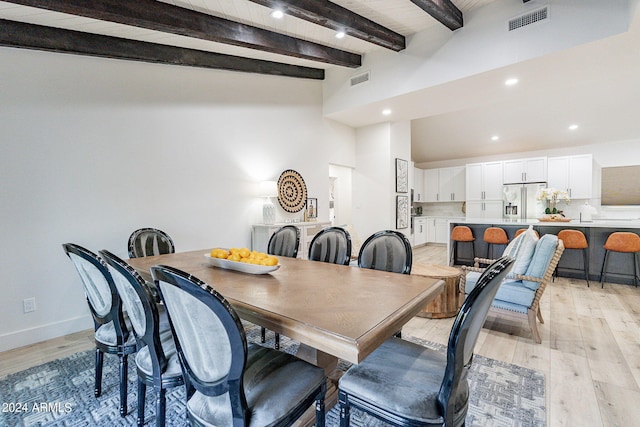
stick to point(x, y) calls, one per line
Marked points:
point(520, 200)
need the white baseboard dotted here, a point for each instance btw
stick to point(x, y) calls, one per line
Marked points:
point(45, 332)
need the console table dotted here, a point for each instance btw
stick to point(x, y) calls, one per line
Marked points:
point(261, 234)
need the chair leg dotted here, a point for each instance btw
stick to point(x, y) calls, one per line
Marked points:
point(603, 272)
point(320, 413)
point(540, 315)
point(124, 366)
point(635, 269)
point(99, 362)
point(344, 410)
point(263, 332)
point(142, 391)
point(585, 255)
point(534, 326)
point(277, 344)
point(161, 403)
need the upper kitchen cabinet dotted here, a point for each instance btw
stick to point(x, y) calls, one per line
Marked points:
point(444, 184)
point(525, 170)
point(451, 184)
point(418, 185)
point(572, 173)
point(431, 185)
point(484, 181)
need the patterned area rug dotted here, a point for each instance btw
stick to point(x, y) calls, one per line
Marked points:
point(60, 393)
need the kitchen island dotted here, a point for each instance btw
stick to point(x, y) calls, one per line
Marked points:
point(619, 270)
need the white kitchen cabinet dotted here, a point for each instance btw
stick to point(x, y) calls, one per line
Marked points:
point(451, 184)
point(483, 181)
point(262, 233)
point(525, 170)
point(445, 184)
point(418, 185)
point(419, 231)
point(484, 209)
point(573, 174)
point(431, 185)
point(442, 230)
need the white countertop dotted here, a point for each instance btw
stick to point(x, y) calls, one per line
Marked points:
point(596, 223)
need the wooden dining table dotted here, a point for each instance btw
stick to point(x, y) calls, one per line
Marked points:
point(334, 311)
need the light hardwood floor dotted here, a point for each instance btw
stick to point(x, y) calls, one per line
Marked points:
point(590, 351)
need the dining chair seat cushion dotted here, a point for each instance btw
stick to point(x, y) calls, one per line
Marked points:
point(521, 249)
point(174, 369)
point(513, 292)
point(545, 248)
point(402, 378)
point(106, 334)
point(266, 370)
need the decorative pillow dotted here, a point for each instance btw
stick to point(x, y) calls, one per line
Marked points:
point(521, 249)
point(545, 248)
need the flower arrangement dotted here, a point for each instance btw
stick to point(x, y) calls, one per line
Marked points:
point(552, 196)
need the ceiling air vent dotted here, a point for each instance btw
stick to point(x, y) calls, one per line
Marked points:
point(360, 78)
point(529, 18)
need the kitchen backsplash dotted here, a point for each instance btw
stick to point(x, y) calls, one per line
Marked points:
point(453, 209)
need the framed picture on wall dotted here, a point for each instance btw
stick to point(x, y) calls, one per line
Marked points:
point(312, 208)
point(402, 212)
point(402, 176)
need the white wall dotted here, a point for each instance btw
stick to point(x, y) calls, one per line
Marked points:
point(374, 192)
point(93, 148)
point(438, 55)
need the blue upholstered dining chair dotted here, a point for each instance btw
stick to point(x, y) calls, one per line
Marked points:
point(157, 360)
point(386, 250)
point(332, 245)
point(230, 382)
point(404, 383)
point(112, 328)
point(148, 242)
point(284, 242)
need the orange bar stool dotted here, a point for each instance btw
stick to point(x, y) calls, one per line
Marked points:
point(575, 239)
point(522, 230)
point(461, 234)
point(494, 236)
point(621, 241)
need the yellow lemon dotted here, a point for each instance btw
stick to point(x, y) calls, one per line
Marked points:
point(271, 261)
point(244, 252)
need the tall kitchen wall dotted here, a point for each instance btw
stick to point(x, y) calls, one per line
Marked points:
point(374, 190)
point(94, 148)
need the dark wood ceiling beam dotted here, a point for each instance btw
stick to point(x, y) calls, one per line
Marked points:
point(443, 10)
point(159, 16)
point(30, 36)
point(330, 15)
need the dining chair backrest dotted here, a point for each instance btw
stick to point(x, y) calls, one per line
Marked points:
point(148, 242)
point(332, 245)
point(103, 299)
point(386, 250)
point(464, 333)
point(284, 242)
point(209, 335)
point(139, 303)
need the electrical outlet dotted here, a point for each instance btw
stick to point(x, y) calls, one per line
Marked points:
point(29, 305)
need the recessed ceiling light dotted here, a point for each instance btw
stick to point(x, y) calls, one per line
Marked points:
point(495, 138)
point(340, 35)
point(278, 14)
point(511, 81)
point(386, 112)
point(573, 127)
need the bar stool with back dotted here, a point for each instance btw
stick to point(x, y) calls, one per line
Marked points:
point(494, 236)
point(575, 239)
point(625, 242)
point(461, 234)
